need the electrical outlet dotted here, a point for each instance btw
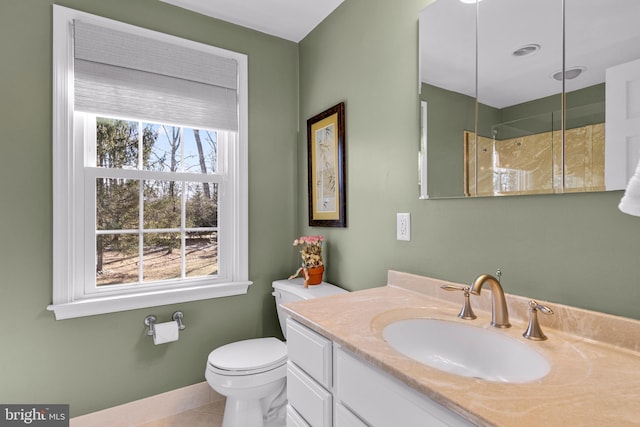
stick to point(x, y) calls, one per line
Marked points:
point(403, 226)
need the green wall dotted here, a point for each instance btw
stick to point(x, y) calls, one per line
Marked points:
point(584, 107)
point(101, 361)
point(576, 249)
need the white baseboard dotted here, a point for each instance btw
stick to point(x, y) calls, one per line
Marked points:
point(150, 409)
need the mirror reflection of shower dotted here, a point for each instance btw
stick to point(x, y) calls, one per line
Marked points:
point(526, 156)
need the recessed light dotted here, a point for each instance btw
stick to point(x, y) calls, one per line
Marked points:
point(526, 50)
point(569, 73)
point(470, 1)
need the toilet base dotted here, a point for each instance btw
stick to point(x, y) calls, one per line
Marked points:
point(242, 413)
point(256, 406)
point(248, 413)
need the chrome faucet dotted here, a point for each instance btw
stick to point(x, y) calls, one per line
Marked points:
point(499, 313)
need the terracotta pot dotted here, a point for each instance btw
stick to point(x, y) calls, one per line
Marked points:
point(313, 275)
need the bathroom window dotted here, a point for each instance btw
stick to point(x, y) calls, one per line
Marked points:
point(156, 198)
point(150, 168)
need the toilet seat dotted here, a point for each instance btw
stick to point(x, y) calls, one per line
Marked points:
point(248, 357)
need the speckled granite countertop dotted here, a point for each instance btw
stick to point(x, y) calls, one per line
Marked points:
point(595, 358)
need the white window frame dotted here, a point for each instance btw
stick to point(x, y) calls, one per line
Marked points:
point(71, 175)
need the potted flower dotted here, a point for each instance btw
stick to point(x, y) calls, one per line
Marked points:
point(311, 254)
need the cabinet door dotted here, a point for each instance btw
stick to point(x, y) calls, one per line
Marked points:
point(308, 398)
point(310, 351)
point(294, 419)
point(346, 418)
point(382, 401)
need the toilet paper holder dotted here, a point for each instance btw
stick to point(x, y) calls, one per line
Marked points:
point(150, 321)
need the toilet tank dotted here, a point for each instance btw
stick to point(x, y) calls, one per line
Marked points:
point(286, 291)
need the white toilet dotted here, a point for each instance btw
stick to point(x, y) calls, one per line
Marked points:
point(252, 373)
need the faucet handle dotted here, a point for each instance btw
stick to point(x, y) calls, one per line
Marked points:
point(534, 332)
point(466, 312)
point(542, 308)
point(453, 287)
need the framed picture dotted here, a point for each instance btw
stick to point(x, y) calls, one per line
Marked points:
point(325, 143)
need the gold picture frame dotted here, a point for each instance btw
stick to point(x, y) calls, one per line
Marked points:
point(326, 168)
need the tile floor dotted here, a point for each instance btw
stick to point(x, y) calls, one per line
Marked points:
point(205, 416)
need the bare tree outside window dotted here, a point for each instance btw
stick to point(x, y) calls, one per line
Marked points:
point(153, 229)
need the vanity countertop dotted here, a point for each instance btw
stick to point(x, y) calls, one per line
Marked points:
point(591, 382)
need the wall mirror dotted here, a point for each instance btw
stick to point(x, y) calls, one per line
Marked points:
point(528, 97)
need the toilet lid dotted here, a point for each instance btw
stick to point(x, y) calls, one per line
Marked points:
point(258, 354)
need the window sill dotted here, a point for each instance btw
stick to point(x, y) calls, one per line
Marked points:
point(103, 305)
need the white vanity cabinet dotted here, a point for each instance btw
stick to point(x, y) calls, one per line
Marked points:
point(328, 386)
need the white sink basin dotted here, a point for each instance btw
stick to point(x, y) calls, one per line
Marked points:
point(466, 350)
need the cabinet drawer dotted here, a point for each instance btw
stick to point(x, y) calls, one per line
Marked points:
point(345, 418)
point(294, 419)
point(308, 398)
point(310, 351)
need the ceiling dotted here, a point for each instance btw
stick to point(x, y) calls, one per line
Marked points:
point(599, 34)
point(288, 19)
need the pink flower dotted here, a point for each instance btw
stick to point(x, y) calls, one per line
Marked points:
point(311, 250)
